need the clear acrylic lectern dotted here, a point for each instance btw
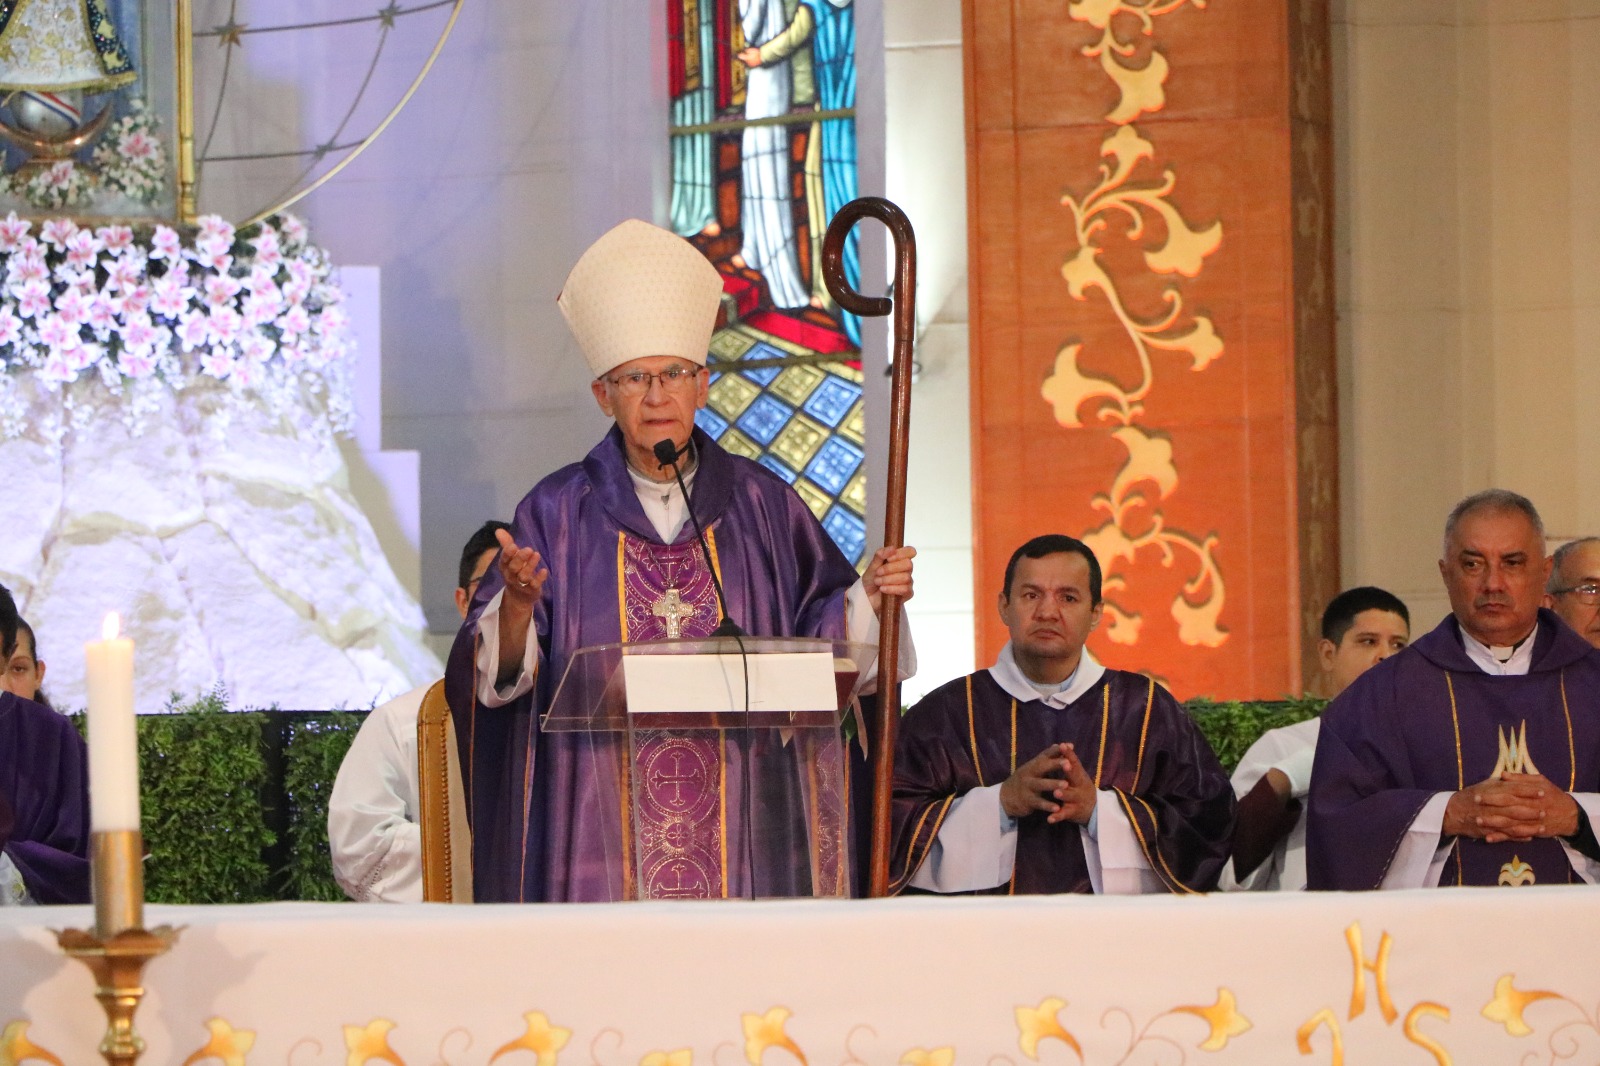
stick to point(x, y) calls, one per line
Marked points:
point(733, 779)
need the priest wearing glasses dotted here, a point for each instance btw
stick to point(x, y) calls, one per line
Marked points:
point(603, 551)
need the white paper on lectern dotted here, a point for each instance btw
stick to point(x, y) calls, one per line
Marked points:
point(779, 681)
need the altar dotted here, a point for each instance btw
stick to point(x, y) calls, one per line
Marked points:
point(1467, 976)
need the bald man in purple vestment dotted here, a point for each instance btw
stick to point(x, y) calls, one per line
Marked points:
point(1473, 756)
point(44, 795)
point(603, 551)
point(1049, 772)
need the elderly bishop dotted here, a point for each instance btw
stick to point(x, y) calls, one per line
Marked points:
point(603, 551)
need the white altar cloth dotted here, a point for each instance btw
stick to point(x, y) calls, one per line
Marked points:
point(1463, 976)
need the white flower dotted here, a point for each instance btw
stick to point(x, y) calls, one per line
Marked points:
point(192, 330)
point(58, 369)
point(58, 231)
point(214, 227)
point(12, 231)
point(217, 362)
point(212, 253)
point(57, 333)
point(116, 238)
point(169, 296)
point(83, 248)
point(72, 307)
point(257, 346)
point(295, 321)
point(33, 299)
point(224, 324)
point(221, 289)
point(166, 244)
point(139, 332)
point(10, 327)
point(136, 363)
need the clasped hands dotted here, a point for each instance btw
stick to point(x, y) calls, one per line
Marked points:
point(1053, 783)
point(1511, 807)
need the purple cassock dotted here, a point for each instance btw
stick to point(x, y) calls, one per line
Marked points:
point(548, 809)
point(44, 781)
point(1427, 721)
point(1130, 735)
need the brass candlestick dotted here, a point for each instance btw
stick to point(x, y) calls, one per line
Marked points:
point(118, 949)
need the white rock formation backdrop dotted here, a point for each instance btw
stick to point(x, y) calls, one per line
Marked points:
point(227, 538)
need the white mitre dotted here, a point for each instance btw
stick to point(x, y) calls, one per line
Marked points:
point(641, 291)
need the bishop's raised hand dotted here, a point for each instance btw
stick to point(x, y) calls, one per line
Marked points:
point(520, 570)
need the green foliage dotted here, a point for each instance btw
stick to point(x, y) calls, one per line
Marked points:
point(202, 776)
point(313, 750)
point(1233, 726)
point(208, 777)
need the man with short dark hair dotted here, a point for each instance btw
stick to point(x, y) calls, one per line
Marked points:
point(44, 795)
point(1472, 757)
point(1573, 591)
point(1048, 772)
point(1361, 627)
point(373, 811)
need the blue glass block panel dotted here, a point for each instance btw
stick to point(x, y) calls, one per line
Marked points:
point(833, 464)
point(765, 417)
point(832, 400)
point(847, 531)
point(779, 467)
point(764, 375)
point(714, 424)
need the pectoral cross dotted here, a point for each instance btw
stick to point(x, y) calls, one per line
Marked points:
point(672, 608)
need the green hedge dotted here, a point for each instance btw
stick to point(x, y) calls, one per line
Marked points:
point(235, 804)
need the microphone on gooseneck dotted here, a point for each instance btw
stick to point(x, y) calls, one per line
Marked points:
point(667, 454)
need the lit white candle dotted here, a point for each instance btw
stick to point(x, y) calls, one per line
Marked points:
point(113, 737)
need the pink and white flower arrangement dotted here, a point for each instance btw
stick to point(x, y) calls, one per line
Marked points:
point(257, 309)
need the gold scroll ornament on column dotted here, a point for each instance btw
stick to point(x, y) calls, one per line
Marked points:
point(1133, 503)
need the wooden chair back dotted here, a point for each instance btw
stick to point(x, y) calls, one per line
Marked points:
point(446, 839)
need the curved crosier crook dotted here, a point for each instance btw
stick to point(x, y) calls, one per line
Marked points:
point(903, 305)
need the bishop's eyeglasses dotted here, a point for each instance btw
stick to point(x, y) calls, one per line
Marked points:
point(636, 383)
point(1588, 592)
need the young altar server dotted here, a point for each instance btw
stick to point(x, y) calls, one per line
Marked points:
point(1472, 757)
point(1361, 627)
point(1048, 772)
point(373, 811)
point(44, 795)
point(603, 551)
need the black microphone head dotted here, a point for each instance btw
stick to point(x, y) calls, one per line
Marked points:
point(666, 452)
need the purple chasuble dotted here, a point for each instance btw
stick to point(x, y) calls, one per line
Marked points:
point(1428, 720)
point(44, 779)
point(548, 810)
point(1130, 735)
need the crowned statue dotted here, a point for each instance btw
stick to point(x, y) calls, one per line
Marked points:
point(53, 53)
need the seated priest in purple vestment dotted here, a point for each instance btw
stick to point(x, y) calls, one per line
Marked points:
point(44, 795)
point(603, 551)
point(1048, 772)
point(1473, 756)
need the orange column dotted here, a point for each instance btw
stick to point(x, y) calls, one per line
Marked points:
point(1149, 251)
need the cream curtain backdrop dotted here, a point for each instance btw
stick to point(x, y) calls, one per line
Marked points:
point(1467, 976)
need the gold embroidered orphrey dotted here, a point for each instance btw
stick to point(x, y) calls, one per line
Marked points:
point(1515, 759)
point(674, 611)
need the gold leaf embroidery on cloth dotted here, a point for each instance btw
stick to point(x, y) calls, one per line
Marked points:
point(1508, 1004)
point(16, 1048)
point(1080, 393)
point(368, 1042)
point(939, 1056)
point(1037, 1024)
point(1325, 1016)
point(1421, 1039)
point(541, 1038)
point(227, 1045)
point(1514, 756)
point(764, 1031)
point(1224, 1018)
point(682, 1057)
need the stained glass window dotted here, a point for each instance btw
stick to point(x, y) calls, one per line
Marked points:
point(763, 155)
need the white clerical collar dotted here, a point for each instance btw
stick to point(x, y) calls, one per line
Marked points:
point(1505, 662)
point(663, 501)
point(1009, 676)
